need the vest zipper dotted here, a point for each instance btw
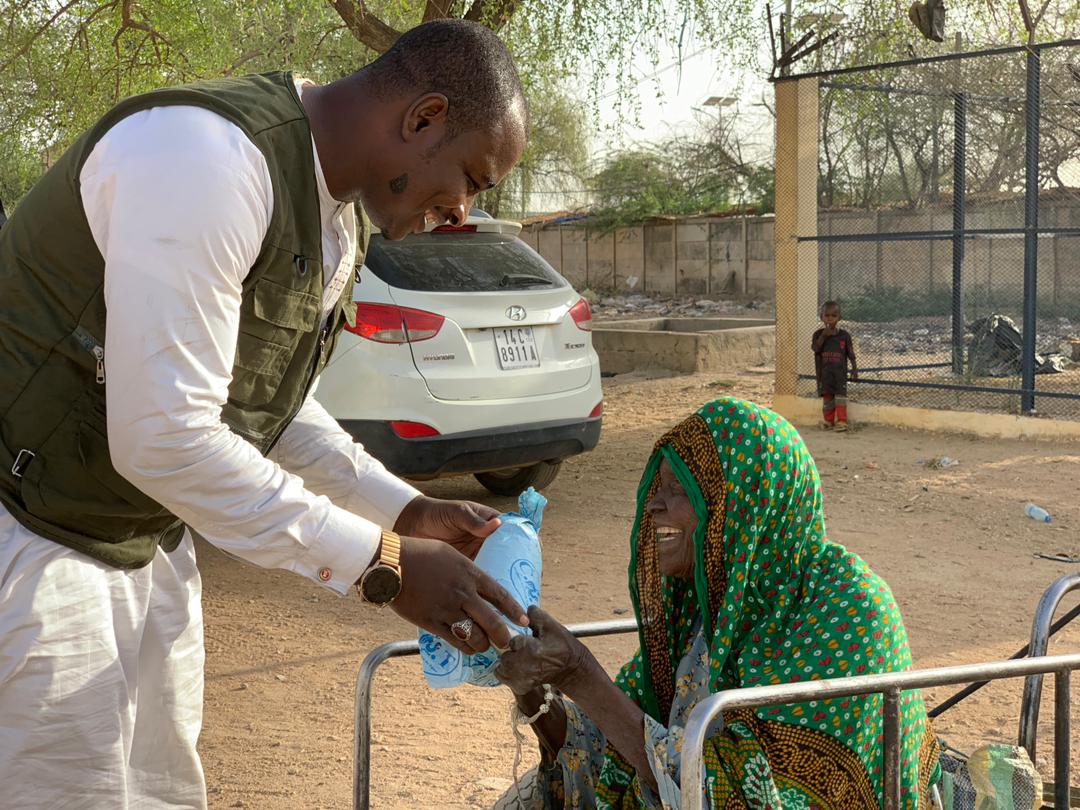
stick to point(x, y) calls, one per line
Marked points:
point(89, 343)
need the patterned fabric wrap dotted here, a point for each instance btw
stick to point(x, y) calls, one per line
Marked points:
point(778, 603)
point(994, 777)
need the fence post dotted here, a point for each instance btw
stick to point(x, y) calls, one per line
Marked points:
point(796, 261)
point(588, 274)
point(1031, 229)
point(675, 253)
point(959, 203)
point(745, 255)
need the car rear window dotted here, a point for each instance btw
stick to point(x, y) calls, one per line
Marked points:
point(460, 262)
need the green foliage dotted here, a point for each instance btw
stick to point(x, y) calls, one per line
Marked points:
point(556, 156)
point(64, 64)
point(679, 177)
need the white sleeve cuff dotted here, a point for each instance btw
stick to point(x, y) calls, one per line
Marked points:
point(342, 552)
point(381, 496)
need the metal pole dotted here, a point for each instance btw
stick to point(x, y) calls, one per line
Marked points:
point(705, 720)
point(1061, 738)
point(397, 649)
point(1031, 229)
point(1040, 639)
point(959, 199)
point(890, 711)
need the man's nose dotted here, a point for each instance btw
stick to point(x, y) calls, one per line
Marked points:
point(457, 215)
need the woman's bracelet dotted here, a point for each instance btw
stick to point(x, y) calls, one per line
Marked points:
point(519, 717)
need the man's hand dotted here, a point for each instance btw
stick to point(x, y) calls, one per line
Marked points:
point(462, 524)
point(440, 586)
point(551, 655)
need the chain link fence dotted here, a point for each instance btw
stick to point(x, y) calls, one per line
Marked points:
point(949, 228)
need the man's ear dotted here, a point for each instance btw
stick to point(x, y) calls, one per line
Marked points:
point(426, 114)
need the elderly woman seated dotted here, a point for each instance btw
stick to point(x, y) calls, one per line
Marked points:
point(734, 584)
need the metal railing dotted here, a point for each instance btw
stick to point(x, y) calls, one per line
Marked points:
point(888, 684)
point(398, 649)
point(707, 720)
point(1041, 630)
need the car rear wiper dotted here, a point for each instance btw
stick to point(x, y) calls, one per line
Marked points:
point(523, 280)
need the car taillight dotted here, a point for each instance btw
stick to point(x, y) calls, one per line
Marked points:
point(454, 229)
point(412, 430)
point(582, 315)
point(386, 323)
point(598, 410)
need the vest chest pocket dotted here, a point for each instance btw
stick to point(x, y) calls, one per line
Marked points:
point(273, 320)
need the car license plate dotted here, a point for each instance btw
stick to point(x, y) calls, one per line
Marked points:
point(515, 347)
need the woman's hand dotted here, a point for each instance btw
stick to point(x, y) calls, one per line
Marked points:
point(551, 655)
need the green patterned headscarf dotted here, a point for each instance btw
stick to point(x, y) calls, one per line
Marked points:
point(779, 603)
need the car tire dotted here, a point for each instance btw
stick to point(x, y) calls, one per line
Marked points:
point(514, 481)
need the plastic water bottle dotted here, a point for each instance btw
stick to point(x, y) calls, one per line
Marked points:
point(1037, 513)
point(511, 556)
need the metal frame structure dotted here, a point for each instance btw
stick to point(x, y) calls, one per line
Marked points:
point(706, 719)
point(701, 724)
point(398, 649)
point(1031, 106)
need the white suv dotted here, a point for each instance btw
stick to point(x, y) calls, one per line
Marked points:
point(469, 354)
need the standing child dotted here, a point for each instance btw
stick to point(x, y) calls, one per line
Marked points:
point(833, 348)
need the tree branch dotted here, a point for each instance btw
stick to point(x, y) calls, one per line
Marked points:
point(438, 10)
point(366, 27)
point(492, 13)
point(33, 37)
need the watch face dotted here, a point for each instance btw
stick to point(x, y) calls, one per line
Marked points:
point(381, 585)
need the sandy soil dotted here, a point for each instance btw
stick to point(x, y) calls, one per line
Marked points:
point(954, 544)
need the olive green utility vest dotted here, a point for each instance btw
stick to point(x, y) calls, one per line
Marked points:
point(56, 475)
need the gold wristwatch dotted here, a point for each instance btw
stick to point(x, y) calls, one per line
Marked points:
point(381, 583)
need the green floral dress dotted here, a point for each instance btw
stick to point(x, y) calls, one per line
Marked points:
point(772, 600)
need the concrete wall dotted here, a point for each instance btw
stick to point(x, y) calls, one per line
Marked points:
point(736, 255)
point(635, 346)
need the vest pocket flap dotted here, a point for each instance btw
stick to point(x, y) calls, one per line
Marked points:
point(260, 356)
point(282, 306)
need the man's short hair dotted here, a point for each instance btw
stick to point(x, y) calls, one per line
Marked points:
point(829, 305)
point(464, 61)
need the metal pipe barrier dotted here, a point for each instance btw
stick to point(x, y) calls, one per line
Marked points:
point(1041, 631)
point(707, 720)
point(398, 649)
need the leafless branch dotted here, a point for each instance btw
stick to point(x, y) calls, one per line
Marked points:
point(438, 9)
point(241, 60)
point(365, 26)
point(492, 13)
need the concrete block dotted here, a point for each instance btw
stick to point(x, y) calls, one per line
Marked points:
point(661, 343)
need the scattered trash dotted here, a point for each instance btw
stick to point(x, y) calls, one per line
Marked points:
point(620, 611)
point(1037, 513)
point(632, 281)
point(872, 465)
point(996, 350)
point(281, 678)
point(920, 332)
point(1065, 558)
point(939, 463)
point(855, 478)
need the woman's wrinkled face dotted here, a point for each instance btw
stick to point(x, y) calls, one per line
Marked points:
point(675, 520)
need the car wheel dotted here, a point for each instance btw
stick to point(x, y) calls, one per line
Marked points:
point(516, 480)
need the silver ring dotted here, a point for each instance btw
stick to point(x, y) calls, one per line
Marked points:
point(462, 629)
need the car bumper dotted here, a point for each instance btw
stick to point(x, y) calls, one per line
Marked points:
point(474, 451)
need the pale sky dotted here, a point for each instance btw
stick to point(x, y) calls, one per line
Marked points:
point(671, 100)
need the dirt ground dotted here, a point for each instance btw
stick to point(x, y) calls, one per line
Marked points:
point(954, 544)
